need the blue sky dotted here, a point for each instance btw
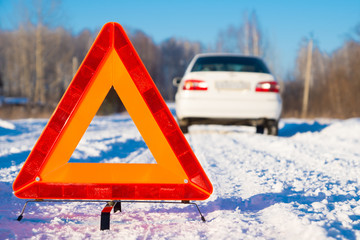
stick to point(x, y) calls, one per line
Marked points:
point(284, 23)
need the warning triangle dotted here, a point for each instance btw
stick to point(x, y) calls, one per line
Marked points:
point(112, 62)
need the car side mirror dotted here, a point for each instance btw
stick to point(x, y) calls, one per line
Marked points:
point(176, 81)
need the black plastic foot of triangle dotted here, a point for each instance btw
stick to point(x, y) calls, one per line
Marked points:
point(105, 217)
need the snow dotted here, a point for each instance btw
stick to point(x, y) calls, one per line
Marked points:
point(302, 184)
point(6, 125)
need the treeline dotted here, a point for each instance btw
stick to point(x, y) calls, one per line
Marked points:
point(38, 63)
point(334, 86)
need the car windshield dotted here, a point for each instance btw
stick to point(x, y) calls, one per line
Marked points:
point(230, 63)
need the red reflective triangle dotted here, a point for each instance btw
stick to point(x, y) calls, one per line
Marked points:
point(112, 61)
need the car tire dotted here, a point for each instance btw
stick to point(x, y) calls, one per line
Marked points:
point(184, 126)
point(260, 129)
point(273, 128)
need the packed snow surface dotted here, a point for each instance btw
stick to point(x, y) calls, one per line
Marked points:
point(302, 184)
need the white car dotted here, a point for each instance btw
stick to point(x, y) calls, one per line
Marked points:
point(228, 89)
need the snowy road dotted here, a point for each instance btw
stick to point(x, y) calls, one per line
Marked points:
point(300, 185)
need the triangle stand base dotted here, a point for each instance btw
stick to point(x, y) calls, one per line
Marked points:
point(110, 205)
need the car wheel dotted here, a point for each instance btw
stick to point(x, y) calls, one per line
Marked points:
point(272, 128)
point(184, 126)
point(260, 129)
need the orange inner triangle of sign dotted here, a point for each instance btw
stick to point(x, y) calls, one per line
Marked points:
point(112, 62)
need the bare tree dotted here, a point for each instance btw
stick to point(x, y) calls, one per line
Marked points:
point(246, 28)
point(175, 56)
point(335, 82)
point(255, 35)
point(246, 39)
point(148, 52)
point(39, 96)
point(23, 51)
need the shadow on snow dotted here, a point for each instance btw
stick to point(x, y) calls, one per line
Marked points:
point(117, 149)
point(290, 129)
point(259, 202)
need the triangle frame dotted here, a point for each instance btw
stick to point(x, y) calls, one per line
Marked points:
point(112, 62)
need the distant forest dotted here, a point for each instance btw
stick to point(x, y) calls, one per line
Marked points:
point(38, 60)
point(38, 63)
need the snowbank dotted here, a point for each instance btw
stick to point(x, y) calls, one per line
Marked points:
point(303, 184)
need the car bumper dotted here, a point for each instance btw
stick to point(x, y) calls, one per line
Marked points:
point(261, 106)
